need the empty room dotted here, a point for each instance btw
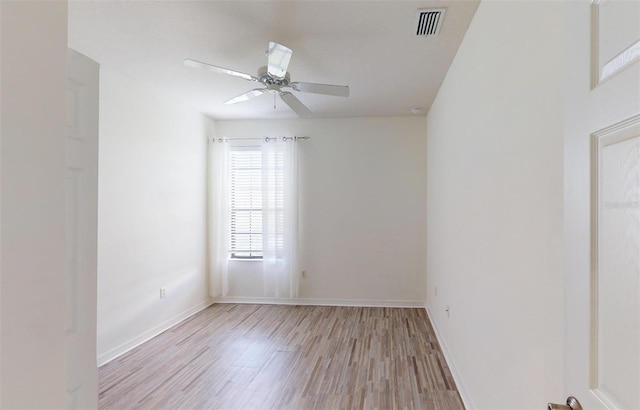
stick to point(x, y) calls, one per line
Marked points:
point(320, 204)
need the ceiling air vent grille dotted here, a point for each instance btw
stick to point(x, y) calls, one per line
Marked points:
point(429, 22)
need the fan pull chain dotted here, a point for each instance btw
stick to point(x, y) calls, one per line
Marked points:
point(274, 101)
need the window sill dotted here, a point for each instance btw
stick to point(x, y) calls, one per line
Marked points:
point(244, 260)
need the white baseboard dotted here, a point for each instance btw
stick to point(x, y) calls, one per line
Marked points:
point(464, 393)
point(123, 348)
point(322, 302)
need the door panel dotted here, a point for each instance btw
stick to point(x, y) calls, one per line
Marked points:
point(615, 36)
point(81, 231)
point(615, 361)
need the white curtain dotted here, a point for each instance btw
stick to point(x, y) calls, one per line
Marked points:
point(219, 217)
point(280, 217)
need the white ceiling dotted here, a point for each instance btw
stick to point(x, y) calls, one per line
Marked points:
point(371, 46)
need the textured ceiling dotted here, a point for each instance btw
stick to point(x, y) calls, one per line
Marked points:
point(369, 45)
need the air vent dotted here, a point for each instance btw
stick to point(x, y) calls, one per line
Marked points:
point(429, 21)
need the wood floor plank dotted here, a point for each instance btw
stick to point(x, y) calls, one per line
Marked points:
point(285, 357)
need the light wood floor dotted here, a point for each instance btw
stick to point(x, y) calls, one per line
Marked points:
point(286, 357)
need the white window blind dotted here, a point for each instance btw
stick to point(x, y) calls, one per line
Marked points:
point(245, 202)
point(274, 198)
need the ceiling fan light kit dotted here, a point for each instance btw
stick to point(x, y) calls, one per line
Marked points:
point(274, 76)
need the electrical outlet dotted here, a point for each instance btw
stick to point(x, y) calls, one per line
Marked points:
point(163, 293)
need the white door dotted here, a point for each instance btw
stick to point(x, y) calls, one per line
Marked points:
point(81, 231)
point(602, 208)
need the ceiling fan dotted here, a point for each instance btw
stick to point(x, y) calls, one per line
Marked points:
point(274, 77)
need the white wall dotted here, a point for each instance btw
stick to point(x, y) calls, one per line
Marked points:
point(494, 207)
point(151, 216)
point(362, 208)
point(33, 65)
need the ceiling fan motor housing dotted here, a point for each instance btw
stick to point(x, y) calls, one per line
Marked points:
point(271, 82)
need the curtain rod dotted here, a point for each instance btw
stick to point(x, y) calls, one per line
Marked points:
point(267, 139)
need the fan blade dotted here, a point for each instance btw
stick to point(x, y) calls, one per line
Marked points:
point(247, 96)
point(278, 60)
point(327, 89)
point(296, 105)
point(219, 70)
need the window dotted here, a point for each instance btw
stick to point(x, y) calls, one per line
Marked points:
point(254, 211)
point(245, 202)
